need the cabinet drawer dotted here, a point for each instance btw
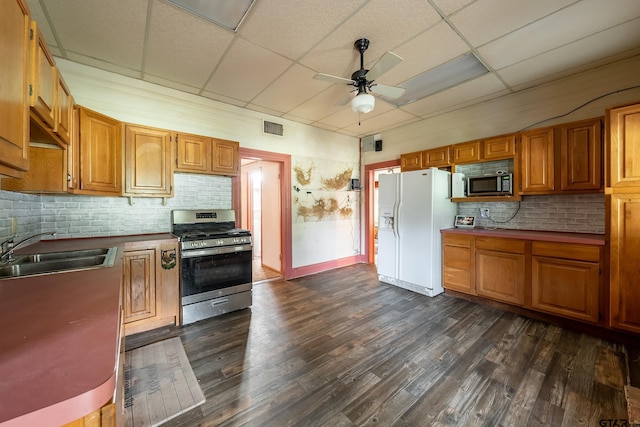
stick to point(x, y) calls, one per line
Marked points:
point(457, 240)
point(500, 245)
point(457, 257)
point(567, 251)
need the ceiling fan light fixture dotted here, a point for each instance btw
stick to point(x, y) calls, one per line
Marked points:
point(363, 103)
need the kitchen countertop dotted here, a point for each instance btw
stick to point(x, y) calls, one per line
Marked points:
point(59, 337)
point(547, 236)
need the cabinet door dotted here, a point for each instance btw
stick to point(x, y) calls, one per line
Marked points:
point(73, 153)
point(457, 263)
point(581, 156)
point(566, 287)
point(47, 172)
point(467, 152)
point(139, 284)
point(436, 157)
point(625, 262)
point(193, 153)
point(14, 82)
point(500, 276)
point(64, 111)
point(537, 158)
point(411, 161)
point(44, 79)
point(225, 159)
point(623, 148)
point(148, 161)
point(100, 154)
point(502, 147)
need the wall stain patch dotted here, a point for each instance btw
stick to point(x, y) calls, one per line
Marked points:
point(303, 176)
point(338, 182)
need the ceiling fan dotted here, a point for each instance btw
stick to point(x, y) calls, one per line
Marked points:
point(364, 80)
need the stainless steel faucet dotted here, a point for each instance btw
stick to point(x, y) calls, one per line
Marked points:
point(11, 246)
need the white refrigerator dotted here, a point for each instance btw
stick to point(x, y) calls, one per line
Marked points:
point(412, 208)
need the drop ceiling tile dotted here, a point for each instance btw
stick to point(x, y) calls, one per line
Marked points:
point(321, 105)
point(107, 66)
point(379, 21)
point(480, 87)
point(292, 31)
point(291, 89)
point(383, 121)
point(37, 14)
point(437, 45)
point(111, 31)
point(557, 30)
point(190, 58)
point(341, 119)
point(486, 20)
point(450, 6)
point(247, 69)
point(584, 52)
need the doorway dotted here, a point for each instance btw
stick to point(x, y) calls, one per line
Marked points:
point(261, 213)
point(372, 172)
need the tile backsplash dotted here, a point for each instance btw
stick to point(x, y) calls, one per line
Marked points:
point(576, 213)
point(88, 216)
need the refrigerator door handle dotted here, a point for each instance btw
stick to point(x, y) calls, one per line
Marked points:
point(396, 210)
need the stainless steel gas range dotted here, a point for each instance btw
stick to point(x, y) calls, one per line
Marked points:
point(215, 272)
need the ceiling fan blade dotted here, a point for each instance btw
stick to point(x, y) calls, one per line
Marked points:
point(384, 64)
point(333, 79)
point(388, 91)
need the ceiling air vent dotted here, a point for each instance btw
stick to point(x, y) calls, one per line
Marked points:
point(273, 128)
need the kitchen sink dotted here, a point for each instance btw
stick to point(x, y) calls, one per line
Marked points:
point(58, 262)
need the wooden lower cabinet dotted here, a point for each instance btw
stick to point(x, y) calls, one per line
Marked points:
point(150, 285)
point(566, 280)
point(458, 263)
point(500, 269)
point(562, 279)
point(625, 261)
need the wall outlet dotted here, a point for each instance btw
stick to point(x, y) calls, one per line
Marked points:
point(14, 225)
point(484, 212)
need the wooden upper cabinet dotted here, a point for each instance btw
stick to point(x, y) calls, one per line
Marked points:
point(73, 153)
point(200, 154)
point(100, 154)
point(436, 157)
point(502, 147)
point(411, 161)
point(64, 111)
point(537, 161)
point(623, 146)
point(225, 158)
point(466, 152)
point(148, 162)
point(193, 152)
point(44, 79)
point(14, 81)
point(581, 155)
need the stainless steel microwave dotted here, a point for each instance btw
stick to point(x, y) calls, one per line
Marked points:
point(490, 185)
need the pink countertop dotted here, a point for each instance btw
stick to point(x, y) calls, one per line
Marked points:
point(547, 236)
point(59, 338)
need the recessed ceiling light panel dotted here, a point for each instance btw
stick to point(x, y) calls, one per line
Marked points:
point(226, 13)
point(442, 77)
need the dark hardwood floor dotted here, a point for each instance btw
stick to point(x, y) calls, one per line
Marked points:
point(341, 349)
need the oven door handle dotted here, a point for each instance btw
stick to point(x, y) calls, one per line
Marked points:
point(192, 253)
